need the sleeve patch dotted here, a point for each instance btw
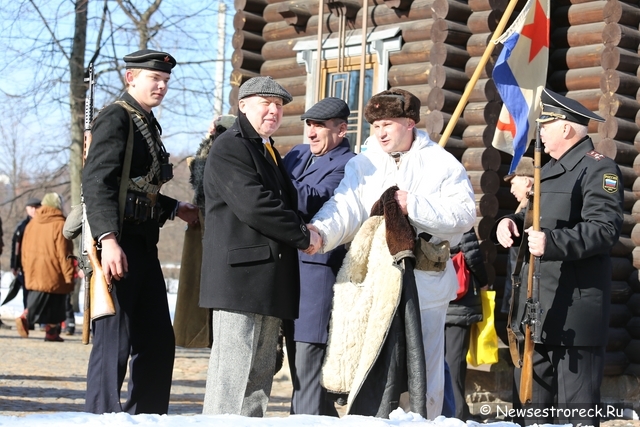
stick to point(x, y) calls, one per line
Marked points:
point(610, 182)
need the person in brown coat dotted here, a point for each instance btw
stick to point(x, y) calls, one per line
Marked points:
point(48, 269)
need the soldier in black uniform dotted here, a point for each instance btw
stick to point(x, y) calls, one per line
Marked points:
point(581, 215)
point(141, 327)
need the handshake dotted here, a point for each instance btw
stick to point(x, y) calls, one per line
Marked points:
point(316, 241)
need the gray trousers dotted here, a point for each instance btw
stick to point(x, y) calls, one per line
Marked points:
point(242, 363)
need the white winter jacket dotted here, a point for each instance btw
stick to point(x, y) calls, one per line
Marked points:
point(440, 202)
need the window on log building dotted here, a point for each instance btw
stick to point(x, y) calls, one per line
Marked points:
point(343, 81)
point(338, 73)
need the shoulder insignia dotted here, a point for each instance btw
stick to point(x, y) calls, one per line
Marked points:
point(610, 182)
point(594, 154)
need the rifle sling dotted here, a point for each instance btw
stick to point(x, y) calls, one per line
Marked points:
point(514, 335)
point(124, 179)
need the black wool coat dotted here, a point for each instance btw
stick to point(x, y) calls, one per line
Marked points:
point(252, 228)
point(581, 216)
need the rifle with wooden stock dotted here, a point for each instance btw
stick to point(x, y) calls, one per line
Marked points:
point(98, 302)
point(532, 321)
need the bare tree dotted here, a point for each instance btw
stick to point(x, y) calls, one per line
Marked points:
point(53, 42)
point(47, 47)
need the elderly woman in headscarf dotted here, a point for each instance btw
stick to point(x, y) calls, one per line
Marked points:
point(48, 269)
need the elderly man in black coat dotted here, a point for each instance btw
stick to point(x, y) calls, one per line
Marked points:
point(250, 258)
point(581, 216)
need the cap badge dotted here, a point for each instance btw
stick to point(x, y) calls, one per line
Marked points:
point(610, 182)
point(166, 58)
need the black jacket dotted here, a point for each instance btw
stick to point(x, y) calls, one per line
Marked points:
point(252, 228)
point(103, 169)
point(581, 216)
point(16, 244)
point(468, 309)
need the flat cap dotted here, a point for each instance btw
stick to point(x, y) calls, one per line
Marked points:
point(34, 202)
point(265, 87)
point(328, 108)
point(392, 104)
point(150, 60)
point(555, 106)
point(524, 168)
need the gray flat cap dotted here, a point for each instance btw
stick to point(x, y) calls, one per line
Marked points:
point(264, 86)
point(328, 108)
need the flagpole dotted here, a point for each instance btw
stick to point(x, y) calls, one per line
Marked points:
point(476, 74)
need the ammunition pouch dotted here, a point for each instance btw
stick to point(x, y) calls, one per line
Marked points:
point(166, 168)
point(140, 207)
point(432, 256)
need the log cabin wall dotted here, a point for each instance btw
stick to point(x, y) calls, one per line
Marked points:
point(594, 58)
point(247, 43)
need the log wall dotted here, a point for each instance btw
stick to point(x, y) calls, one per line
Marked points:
point(247, 42)
point(594, 58)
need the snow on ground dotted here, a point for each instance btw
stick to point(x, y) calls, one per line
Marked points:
point(67, 419)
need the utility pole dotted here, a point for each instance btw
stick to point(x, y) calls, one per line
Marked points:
point(218, 92)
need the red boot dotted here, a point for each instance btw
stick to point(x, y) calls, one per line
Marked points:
point(22, 325)
point(52, 333)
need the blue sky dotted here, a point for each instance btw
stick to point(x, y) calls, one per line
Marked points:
point(34, 89)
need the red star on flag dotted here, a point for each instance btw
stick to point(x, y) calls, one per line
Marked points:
point(537, 31)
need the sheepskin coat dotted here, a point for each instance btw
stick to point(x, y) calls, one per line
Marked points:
point(375, 349)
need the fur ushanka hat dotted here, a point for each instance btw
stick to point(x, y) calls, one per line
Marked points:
point(391, 104)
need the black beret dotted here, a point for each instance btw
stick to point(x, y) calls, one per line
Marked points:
point(265, 87)
point(391, 104)
point(328, 108)
point(555, 106)
point(150, 60)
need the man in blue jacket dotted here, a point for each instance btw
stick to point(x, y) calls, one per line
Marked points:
point(316, 169)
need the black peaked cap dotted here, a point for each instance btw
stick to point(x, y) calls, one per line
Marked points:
point(556, 106)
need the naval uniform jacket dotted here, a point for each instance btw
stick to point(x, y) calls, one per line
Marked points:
point(103, 170)
point(581, 215)
point(252, 228)
point(315, 185)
